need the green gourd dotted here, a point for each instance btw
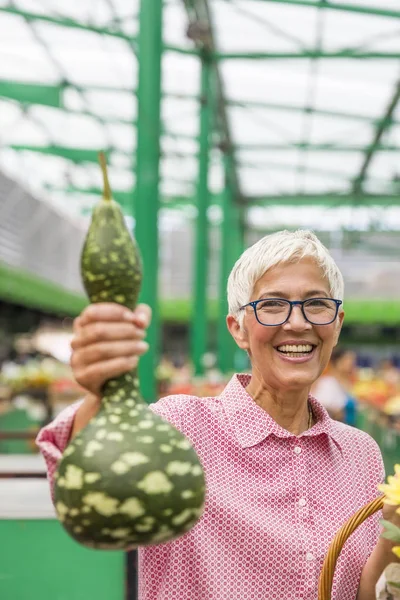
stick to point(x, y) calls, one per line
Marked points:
point(128, 478)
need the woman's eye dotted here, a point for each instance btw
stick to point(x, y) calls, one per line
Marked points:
point(271, 304)
point(317, 303)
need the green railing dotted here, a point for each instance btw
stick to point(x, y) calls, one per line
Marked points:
point(60, 570)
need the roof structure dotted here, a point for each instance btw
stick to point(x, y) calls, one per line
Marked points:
point(306, 105)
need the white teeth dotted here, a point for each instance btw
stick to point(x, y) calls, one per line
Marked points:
point(300, 348)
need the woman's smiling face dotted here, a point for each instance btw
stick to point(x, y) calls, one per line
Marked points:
point(292, 281)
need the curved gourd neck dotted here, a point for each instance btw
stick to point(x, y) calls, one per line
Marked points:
point(107, 196)
point(118, 390)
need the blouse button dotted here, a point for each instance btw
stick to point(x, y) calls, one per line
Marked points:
point(309, 556)
point(297, 450)
point(302, 502)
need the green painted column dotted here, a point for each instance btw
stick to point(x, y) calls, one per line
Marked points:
point(225, 342)
point(147, 177)
point(232, 246)
point(199, 321)
point(239, 230)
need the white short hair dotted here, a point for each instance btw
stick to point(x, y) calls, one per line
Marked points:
point(271, 250)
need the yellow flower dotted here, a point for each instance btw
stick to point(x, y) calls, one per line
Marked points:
point(396, 551)
point(392, 488)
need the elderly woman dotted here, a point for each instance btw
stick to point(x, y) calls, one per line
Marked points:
point(282, 476)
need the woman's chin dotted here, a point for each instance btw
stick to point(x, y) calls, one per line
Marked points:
point(292, 380)
point(298, 386)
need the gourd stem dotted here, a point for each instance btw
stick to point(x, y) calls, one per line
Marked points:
point(106, 183)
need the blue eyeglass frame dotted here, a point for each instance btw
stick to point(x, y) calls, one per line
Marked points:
point(292, 303)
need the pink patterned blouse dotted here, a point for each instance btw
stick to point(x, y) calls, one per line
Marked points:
point(274, 502)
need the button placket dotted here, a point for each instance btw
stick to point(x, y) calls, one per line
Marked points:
point(300, 505)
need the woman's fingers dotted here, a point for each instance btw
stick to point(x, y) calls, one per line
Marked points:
point(111, 311)
point(101, 331)
point(93, 377)
point(76, 326)
point(100, 352)
point(107, 342)
point(104, 311)
point(142, 315)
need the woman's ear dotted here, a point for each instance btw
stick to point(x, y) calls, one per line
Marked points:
point(239, 334)
point(339, 326)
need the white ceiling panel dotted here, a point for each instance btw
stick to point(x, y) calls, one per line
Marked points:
point(283, 113)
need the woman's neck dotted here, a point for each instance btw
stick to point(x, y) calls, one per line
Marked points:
point(290, 410)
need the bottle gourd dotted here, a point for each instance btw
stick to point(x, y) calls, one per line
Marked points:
point(128, 478)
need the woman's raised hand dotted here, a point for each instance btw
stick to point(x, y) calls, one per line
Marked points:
point(108, 341)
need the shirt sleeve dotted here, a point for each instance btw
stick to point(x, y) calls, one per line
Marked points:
point(375, 474)
point(173, 409)
point(376, 466)
point(53, 439)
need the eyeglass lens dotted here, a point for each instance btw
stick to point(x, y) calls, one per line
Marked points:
point(318, 311)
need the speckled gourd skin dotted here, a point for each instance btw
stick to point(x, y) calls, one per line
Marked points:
point(128, 478)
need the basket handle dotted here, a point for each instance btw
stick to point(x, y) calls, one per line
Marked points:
point(328, 568)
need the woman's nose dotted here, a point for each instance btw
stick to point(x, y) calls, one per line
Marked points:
point(297, 320)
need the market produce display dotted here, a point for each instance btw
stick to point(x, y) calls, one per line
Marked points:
point(380, 396)
point(129, 478)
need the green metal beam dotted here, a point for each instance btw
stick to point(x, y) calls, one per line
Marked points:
point(332, 200)
point(147, 178)
point(347, 53)
point(225, 341)
point(26, 289)
point(51, 95)
point(199, 320)
point(248, 104)
point(180, 50)
point(232, 239)
point(375, 146)
point(81, 155)
point(342, 6)
point(226, 143)
point(124, 198)
point(77, 155)
point(127, 198)
point(378, 311)
point(327, 147)
point(310, 101)
point(66, 22)
point(33, 93)
point(199, 13)
point(331, 173)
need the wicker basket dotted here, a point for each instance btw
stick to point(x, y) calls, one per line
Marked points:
point(328, 568)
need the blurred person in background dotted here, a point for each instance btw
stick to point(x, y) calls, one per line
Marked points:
point(334, 388)
point(389, 373)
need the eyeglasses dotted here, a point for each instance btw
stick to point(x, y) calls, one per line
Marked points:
point(276, 311)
